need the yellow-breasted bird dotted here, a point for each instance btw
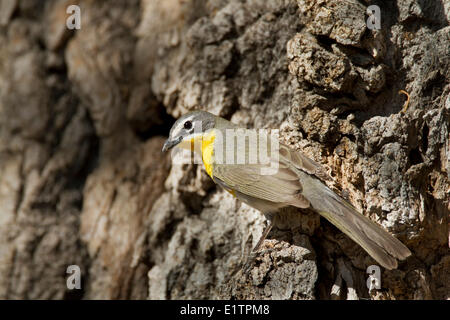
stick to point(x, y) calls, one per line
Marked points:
point(297, 181)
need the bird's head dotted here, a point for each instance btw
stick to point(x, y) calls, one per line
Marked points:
point(188, 128)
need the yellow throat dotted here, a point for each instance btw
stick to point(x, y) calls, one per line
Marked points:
point(207, 149)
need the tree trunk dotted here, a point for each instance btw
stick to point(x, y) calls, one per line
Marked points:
point(84, 114)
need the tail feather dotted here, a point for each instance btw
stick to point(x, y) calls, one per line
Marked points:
point(378, 243)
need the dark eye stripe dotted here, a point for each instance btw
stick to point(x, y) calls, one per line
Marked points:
point(188, 125)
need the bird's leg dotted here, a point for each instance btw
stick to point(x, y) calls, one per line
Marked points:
point(252, 255)
point(263, 236)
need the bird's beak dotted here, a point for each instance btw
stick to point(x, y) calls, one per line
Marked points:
point(169, 144)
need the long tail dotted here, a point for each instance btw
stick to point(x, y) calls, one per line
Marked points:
point(378, 243)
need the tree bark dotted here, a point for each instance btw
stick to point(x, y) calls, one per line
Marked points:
point(84, 114)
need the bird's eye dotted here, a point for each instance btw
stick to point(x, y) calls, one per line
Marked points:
point(188, 125)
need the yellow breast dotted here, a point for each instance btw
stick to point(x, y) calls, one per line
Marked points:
point(208, 151)
point(205, 144)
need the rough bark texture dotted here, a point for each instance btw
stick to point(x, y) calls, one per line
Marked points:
point(83, 115)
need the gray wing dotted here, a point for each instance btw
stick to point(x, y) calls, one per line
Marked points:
point(282, 186)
